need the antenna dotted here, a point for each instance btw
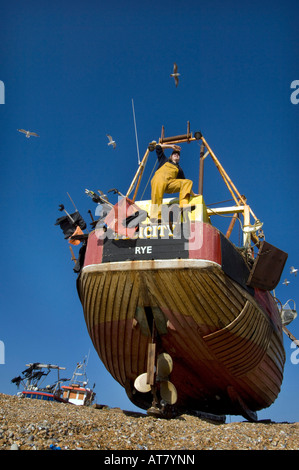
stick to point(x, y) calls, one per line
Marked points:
point(72, 202)
point(135, 131)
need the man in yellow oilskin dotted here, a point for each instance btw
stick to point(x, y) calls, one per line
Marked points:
point(169, 178)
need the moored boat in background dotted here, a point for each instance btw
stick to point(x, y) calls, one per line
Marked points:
point(77, 392)
point(32, 380)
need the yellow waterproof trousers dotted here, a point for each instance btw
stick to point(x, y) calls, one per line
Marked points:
point(164, 181)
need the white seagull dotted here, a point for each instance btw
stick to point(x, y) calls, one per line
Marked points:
point(28, 133)
point(175, 74)
point(293, 270)
point(286, 282)
point(111, 141)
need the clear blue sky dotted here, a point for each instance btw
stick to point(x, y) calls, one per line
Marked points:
point(71, 70)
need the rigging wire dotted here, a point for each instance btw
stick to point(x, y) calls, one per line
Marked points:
point(220, 202)
point(149, 179)
point(135, 132)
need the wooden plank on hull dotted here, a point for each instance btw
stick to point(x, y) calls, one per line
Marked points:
point(186, 331)
point(206, 314)
point(191, 356)
point(122, 323)
point(200, 314)
point(221, 297)
point(97, 320)
point(183, 340)
point(180, 307)
point(101, 307)
point(184, 303)
point(89, 299)
point(209, 304)
point(226, 290)
point(234, 334)
point(268, 369)
point(113, 306)
point(131, 335)
point(263, 382)
point(91, 310)
point(118, 301)
point(107, 325)
point(93, 292)
point(217, 317)
point(83, 289)
point(243, 366)
point(251, 393)
point(274, 374)
point(275, 355)
point(138, 360)
point(220, 305)
point(87, 283)
point(258, 389)
point(239, 346)
point(162, 297)
point(265, 388)
point(232, 286)
point(168, 305)
point(228, 285)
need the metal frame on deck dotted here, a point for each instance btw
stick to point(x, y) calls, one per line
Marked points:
point(240, 200)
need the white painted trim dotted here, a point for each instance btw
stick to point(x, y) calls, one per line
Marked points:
point(139, 265)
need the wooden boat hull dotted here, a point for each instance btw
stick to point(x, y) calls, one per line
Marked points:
point(224, 337)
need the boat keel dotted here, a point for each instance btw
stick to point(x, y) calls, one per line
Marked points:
point(241, 407)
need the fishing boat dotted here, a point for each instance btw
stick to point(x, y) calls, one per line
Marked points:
point(181, 317)
point(77, 391)
point(32, 380)
point(33, 377)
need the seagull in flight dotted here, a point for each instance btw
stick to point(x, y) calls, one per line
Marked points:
point(175, 74)
point(111, 141)
point(286, 282)
point(28, 133)
point(293, 270)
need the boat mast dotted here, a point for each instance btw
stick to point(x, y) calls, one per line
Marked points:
point(138, 175)
point(202, 156)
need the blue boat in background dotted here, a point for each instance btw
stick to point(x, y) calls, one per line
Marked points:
point(33, 378)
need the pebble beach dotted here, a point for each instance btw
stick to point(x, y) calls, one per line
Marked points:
point(27, 424)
